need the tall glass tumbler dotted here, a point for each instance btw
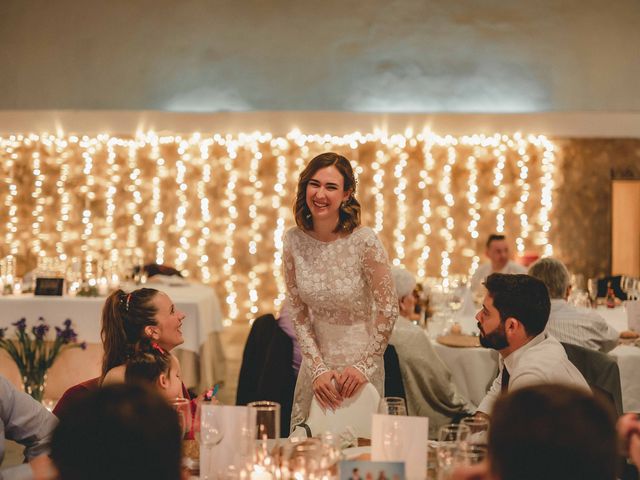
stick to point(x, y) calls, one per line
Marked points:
point(267, 419)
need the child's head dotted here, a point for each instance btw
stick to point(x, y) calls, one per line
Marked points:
point(151, 364)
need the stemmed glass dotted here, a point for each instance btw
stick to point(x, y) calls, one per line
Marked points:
point(209, 431)
point(592, 287)
point(393, 406)
point(629, 285)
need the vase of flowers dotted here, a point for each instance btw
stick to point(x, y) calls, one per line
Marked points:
point(34, 354)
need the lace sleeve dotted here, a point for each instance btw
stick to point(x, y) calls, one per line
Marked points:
point(300, 316)
point(378, 276)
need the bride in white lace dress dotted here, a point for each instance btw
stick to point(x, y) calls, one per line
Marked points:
point(340, 290)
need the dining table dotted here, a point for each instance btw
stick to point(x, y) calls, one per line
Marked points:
point(201, 355)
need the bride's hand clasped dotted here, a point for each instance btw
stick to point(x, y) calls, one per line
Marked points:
point(324, 388)
point(350, 381)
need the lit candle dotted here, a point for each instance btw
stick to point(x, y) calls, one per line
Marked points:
point(259, 473)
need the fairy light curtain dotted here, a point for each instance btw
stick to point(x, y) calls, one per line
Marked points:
point(217, 206)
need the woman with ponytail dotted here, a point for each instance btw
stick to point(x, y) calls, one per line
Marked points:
point(128, 318)
point(340, 291)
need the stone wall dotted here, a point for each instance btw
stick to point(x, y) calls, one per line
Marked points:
point(581, 233)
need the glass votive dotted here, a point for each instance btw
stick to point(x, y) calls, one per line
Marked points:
point(267, 419)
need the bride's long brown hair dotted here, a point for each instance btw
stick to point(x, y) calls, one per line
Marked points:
point(349, 213)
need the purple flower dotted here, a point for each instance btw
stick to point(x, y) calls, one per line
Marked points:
point(40, 331)
point(21, 324)
point(83, 345)
point(67, 335)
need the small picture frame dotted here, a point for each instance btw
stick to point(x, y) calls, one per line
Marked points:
point(49, 286)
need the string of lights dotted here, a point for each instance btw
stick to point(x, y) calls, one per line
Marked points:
point(217, 206)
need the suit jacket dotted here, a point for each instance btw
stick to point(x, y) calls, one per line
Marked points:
point(266, 372)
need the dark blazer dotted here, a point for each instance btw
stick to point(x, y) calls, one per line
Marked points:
point(267, 372)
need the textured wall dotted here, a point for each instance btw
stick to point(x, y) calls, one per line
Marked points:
point(581, 232)
point(343, 55)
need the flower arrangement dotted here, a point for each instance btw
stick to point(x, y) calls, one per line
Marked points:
point(34, 355)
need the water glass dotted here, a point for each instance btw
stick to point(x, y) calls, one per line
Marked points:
point(452, 439)
point(182, 406)
point(393, 406)
point(479, 430)
point(470, 455)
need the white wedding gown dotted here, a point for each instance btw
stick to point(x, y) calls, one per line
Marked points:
point(343, 305)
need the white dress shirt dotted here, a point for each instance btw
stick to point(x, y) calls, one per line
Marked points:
point(542, 360)
point(580, 326)
point(485, 270)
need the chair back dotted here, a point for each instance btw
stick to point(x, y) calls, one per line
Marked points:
point(355, 412)
point(599, 370)
point(266, 372)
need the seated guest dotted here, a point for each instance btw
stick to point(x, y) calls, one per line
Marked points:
point(499, 256)
point(549, 432)
point(121, 431)
point(152, 365)
point(153, 269)
point(512, 320)
point(26, 421)
point(429, 389)
point(128, 318)
point(570, 324)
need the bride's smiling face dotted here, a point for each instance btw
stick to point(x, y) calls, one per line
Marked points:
point(325, 193)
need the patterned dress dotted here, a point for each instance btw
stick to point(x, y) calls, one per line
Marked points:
point(343, 304)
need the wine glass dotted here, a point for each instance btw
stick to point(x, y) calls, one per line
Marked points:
point(210, 432)
point(592, 287)
point(393, 406)
point(470, 455)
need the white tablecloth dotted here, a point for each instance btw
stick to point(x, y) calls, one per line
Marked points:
point(198, 302)
point(474, 369)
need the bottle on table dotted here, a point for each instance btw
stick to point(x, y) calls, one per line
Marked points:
point(611, 298)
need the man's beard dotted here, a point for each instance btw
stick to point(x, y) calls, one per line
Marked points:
point(497, 339)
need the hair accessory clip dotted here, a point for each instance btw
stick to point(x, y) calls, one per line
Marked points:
point(157, 347)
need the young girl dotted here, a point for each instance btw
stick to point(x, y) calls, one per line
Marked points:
point(153, 365)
